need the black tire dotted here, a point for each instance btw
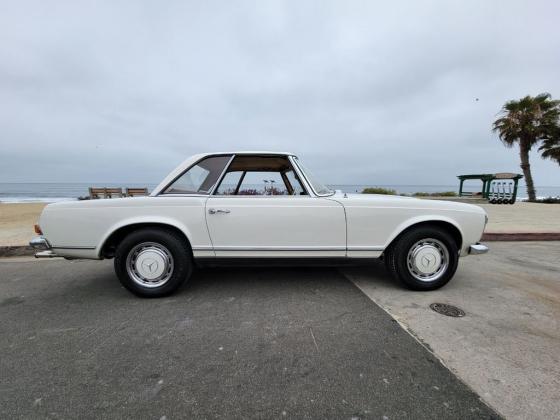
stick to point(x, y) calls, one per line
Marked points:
point(176, 257)
point(396, 257)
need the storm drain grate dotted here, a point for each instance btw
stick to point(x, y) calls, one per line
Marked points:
point(448, 310)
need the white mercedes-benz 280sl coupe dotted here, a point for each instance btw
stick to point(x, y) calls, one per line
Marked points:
point(249, 207)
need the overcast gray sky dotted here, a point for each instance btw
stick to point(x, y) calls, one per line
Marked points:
point(365, 92)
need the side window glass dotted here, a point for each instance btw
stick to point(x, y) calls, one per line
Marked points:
point(200, 178)
point(263, 183)
point(295, 183)
point(229, 183)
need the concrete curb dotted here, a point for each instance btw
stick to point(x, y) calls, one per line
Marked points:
point(24, 250)
point(16, 251)
point(521, 236)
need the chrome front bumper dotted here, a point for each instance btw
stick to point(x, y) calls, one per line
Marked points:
point(477, 249)
point(41, 244)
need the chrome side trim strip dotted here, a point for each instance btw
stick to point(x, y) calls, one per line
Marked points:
point(288, 248)
point(365, 248)
point(279, 248)
point(73, 247)
point(181, 195)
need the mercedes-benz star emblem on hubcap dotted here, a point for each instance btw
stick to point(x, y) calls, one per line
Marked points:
point(150, 265)
point(427, 260)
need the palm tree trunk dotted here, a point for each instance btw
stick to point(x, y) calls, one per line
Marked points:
point(526, 168)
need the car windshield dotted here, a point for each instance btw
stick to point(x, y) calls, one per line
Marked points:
point(318, 186)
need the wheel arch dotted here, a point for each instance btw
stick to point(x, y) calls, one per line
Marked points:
point(447, 224)
point(117, 233)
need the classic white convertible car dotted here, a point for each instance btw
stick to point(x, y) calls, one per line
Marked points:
point(259, 207)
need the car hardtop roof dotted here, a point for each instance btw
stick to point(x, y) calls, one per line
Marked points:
point(195, 158)
point(249, 152)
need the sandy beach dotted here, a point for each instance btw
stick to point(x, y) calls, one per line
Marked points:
point(16, 222)
point(17, 219)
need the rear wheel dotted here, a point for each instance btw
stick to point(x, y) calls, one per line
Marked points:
point(153, 262)
point(424, 258)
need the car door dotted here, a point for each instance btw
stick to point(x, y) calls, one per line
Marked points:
point(244, 222)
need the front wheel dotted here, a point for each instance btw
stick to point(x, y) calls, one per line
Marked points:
point(153, 262)
point(424, 258)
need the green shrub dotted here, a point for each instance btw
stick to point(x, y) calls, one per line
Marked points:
point(379, 190)
point(436, 194)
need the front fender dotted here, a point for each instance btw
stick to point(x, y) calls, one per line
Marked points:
point(422, 219)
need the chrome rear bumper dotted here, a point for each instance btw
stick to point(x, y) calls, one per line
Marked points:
point(41, 244)
point(477, 249)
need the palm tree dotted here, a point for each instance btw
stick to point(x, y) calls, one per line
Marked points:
point(551, 149)
point(527, 122)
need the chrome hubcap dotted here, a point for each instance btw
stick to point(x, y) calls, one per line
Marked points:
point(427, 259)
point(149, 264)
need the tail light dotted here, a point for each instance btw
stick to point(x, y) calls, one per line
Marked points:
point(38, 230)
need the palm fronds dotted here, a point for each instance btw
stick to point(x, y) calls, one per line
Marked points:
point(526, 122)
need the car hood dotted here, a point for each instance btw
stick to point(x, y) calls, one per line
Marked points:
point(381, 200)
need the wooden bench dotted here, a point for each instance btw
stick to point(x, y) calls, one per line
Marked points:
point(113, 192)
point(136, 192)
point(96, 193)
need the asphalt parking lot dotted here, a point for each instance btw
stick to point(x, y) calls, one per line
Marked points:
point(233, 343)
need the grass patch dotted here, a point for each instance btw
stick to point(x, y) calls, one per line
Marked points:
point(378, 190)
point(436, 194)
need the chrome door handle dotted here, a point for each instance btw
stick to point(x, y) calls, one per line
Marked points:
point(214, 211)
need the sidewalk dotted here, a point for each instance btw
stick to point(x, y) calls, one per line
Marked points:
point(522, 217)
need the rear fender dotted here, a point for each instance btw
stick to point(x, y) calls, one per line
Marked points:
point(140, 220)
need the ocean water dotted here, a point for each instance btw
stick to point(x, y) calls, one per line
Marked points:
point(51, 192)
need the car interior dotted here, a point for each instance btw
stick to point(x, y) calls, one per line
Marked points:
point(260, 175)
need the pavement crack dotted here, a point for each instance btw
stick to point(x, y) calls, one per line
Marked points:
point(314, 341)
